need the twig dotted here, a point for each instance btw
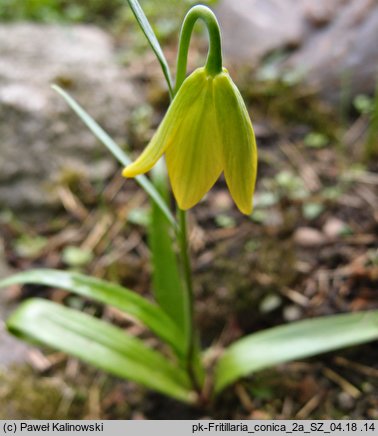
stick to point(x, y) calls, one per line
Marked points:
point(72, 204)
point(306, 171)
point(295, 297)
point(244, 398)
point(363, 369)
point(342, 382)
point(309, 407)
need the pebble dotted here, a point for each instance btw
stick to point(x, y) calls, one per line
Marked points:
point(345, 401)
point(309, 237)
point(292, 313)
point(333, 227)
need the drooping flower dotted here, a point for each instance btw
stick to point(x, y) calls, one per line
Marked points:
point(205, 131)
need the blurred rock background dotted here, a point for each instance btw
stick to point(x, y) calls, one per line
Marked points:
point(328, 45)
point(41, 138)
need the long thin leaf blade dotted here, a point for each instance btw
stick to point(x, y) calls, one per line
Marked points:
point(294, 341)
point(116, 150)
point(167, 285)
point(105, 292)
point(152, 40)
point(100, 344)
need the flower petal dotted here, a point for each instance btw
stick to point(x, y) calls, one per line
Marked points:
point(195, 160)
point(163, 138)
point(238, 140)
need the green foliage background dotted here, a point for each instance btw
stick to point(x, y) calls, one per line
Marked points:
point(165, 15)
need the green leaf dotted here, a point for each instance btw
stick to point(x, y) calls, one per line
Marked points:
point(105, 292)
point(312, 210)
point(117, 152)
point(363, 103)
point(294, 341)
point(76, 256)
point(30, 246)
point(167, 284)
point(152, 40)
point(100, 344)
point(315, 140)
point(139, 216)
point(371, 146)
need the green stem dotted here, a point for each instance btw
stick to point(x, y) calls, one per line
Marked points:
point(213, 67)
point(187, 272)
point(214, 57)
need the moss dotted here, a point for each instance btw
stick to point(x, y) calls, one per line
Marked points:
point(291, 105)
point(27, 395)
point(86, 393)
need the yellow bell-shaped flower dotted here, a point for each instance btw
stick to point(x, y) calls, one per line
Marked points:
point(205, 131)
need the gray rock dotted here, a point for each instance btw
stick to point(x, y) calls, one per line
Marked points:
point(329, 45)
point(321, 12)
point(40, 136)
point(253, 28)
point(343, 56)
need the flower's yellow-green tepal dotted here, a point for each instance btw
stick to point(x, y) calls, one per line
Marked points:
point(206, 130)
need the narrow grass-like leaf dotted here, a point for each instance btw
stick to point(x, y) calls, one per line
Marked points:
point(167, 284)
point(117, 152)
point(105, 292)
point(100, 344)
point(152, 40)
point(371, 147)
point(294, 341)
